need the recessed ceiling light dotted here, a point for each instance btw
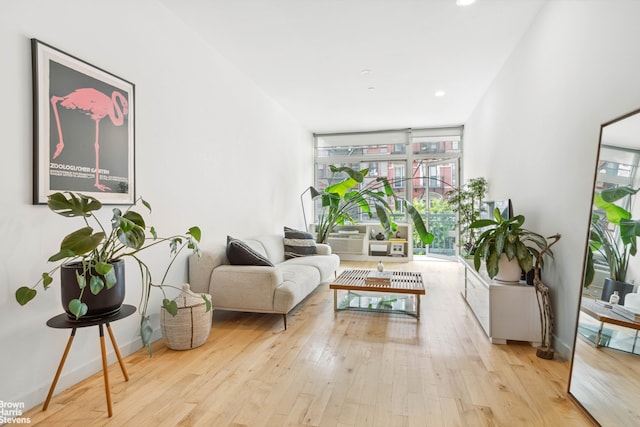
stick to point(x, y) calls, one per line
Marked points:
point(365, 72)
point(439, 93)
point(464, 2)
point(371, 88)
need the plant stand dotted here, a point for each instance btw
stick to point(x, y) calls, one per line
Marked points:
point(63, 321)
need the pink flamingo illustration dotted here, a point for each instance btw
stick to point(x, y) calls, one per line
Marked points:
point(96, 105)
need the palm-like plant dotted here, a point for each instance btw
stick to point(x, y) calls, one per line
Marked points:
point(616, 246)
point(341, 199)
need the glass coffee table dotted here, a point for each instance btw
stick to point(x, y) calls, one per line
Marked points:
point(396, 292)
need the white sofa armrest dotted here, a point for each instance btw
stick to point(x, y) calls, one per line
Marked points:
point(323, 249)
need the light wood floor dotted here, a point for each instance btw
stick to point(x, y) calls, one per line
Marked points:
point(354, 369)
point(606, 381)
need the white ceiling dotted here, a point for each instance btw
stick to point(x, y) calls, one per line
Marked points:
point(308, 55)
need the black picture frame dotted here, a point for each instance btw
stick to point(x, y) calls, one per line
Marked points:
point(83, 129)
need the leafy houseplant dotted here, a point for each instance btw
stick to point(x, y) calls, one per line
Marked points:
point(466, 201)
point(97, 250)
point(615, 249)
point(340, 200)
point(506, 236)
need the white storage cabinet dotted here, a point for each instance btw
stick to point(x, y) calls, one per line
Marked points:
point(505, 311)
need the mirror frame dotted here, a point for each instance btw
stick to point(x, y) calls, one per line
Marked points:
point(584, 261)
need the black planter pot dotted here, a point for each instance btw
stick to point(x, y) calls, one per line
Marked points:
point(611, 285)
point(105, 303)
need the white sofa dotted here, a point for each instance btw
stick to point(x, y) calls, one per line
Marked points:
point(261, 289)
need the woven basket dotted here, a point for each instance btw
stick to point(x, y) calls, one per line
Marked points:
point(191, 326)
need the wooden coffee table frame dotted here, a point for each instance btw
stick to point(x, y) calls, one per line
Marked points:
point(402, 282)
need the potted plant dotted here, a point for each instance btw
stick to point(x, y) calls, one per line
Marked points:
point(341, 200)
point(466, 201)
point(91, 261)
point(506, 245)
point(615, 244)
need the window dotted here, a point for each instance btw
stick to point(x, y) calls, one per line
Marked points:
point(430, 156)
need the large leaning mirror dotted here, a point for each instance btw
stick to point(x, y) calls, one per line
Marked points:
point(605, 369)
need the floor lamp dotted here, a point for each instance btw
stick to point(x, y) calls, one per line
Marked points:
point(314, 195)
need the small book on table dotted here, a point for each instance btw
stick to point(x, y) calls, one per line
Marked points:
point(379, 278)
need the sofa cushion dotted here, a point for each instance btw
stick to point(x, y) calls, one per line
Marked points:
point(325, 264)
point(239, 253)
point(298, 243)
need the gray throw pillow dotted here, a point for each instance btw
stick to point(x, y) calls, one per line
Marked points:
point(239, 253)
point(298, 243)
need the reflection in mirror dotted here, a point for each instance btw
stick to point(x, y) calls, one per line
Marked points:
point(605, 370)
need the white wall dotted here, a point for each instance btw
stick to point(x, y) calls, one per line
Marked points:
point(534, 135)
point(205, 135)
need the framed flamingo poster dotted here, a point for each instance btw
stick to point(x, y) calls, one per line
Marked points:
point(84, 133)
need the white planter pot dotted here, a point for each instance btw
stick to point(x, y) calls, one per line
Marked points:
point(508, 271)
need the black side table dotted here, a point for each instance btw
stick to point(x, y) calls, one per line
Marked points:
point(63, 321)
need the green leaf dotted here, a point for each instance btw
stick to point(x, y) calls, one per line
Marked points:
point(146, 204)
point(96, 284)
point(124, 224)
point(476, 259)
point(145, 332)
point(116, 218)
point(170, 306)
point(78, 308)
point(500, 241)
point(25, 294)
point(46, 280)
point(357, 176)
point(355, 198)
point(509, 250)
point(152, 230)
point(418, 224)
point(480, 223)
point(61, 255)
point(195, 232)
point(82, 281)
point(385, 221)
point(497, 216)
point(111, 278)
point(81, 241)
point(614, 212)
point(617, 193)
point(525, 259)
point(341, 188)
point(629, 230)
point(134, 238)
point(135, 218)
point(103, 267)
point(207, 302)
point(388, 191)
point(516, 222)
point(492, 263)
point(589, 273)
point(75, 205)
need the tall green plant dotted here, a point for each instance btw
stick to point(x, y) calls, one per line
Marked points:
point(616, 245)
point(341, 199)
point(466, 201)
